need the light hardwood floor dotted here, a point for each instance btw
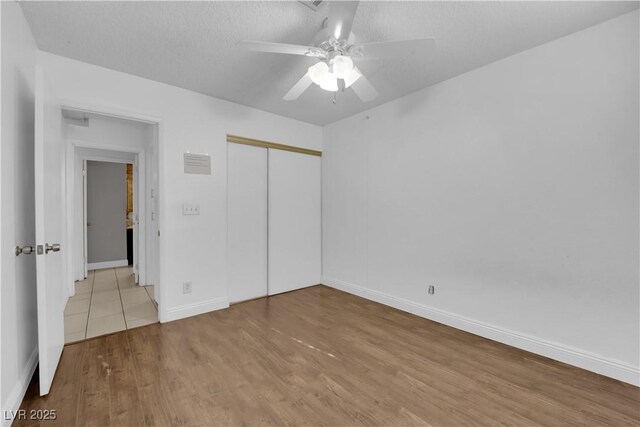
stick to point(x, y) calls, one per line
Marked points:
point(319, 356)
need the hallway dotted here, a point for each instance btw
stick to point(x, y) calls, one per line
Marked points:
point(108, 301)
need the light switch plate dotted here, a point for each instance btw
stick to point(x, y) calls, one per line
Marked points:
point(190, 209)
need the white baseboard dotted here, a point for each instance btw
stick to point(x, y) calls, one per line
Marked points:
point(107, 264)
point(592, 362)
point(14, 400)
point(188, 310)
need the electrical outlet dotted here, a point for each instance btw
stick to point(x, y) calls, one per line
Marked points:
point(432, 290)
point(190, 209)
point(186, 288)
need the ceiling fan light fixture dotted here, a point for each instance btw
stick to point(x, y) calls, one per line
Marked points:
point(341, 66)
point(318, 72)
point(330, 83)
point(320, 75)
point(335, 48)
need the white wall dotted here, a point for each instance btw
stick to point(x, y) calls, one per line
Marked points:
point(106, 212)
point(18, 349)
point(513, 189)
point(193, 248)
point(105, 130)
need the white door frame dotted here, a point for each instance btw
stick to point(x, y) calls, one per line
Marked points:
point(111, 111)
point(85, 239)
point(139, 193)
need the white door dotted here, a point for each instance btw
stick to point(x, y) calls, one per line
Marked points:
point(295, 247)
point(247, 222)
point(50, 229)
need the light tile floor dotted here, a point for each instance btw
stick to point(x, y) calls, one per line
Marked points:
point(108, 301)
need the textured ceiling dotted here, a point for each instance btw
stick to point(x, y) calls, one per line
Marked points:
point(192, 44)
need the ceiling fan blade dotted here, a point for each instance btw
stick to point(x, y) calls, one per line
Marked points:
point(396, 49)
point(341, 14)
point(353, 39)
point(298, 88)
point(364, 89)
point(289, 49)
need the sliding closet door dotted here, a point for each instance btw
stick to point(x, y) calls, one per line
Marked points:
point(294, 221)
point(247, 222)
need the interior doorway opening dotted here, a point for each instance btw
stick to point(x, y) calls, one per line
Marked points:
point(113, 185)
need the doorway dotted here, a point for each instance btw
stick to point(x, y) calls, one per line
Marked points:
point(113, 227)
point(109, 217)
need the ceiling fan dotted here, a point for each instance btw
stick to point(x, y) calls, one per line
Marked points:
point(337, 51)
